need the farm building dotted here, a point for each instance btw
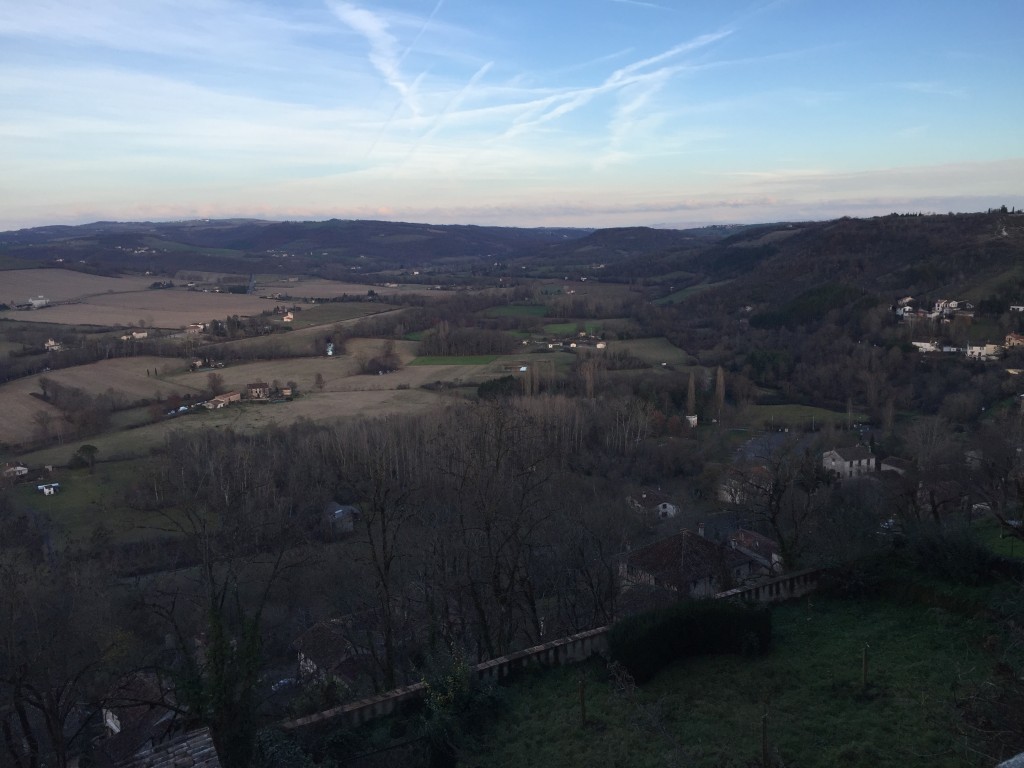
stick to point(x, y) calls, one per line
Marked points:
point(258, 391)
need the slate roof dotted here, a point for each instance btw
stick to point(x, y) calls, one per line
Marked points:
point(683, 559)
point(856, 453)
point(190, 750)
point(755, 542)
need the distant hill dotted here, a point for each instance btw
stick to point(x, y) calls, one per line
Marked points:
point(970, 256)
point(252, 245)
point(974, 256)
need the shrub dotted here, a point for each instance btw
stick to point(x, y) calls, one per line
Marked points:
point(649, 641)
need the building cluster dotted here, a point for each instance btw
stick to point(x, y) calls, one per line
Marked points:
point(907, 310)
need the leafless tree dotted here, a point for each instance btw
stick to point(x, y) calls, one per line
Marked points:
point(215, 383)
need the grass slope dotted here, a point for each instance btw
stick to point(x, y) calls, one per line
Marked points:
point(707, 712)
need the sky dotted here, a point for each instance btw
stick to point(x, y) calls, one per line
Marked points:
point(589, 113)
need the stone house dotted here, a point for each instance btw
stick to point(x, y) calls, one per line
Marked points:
point(849, 463)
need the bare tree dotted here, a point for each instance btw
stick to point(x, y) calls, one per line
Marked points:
point(215, 383)
point(785, 489)
point(378, 464)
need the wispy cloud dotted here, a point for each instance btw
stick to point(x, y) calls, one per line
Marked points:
point(552, 107)
point(384, 50)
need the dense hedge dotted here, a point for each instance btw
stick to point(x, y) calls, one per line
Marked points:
point(647, 642)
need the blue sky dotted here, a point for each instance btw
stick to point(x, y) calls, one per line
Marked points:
point(577, 113)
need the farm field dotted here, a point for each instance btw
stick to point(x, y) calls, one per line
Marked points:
point(63, 284)
point(345, 393)
point(757, 416)
point(86, 501)
point(337, 312)
point(248, 417)
point(328, 289)
point(653, 351)
point(455, 360)
point(298, 341)
point(517, 310)
point(571, 326)
point(128, 375)
point(172, 308)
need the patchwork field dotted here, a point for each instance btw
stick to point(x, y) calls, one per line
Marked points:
point(172, 308)
point(128, 375)
point(246, 417)
point(345, 393)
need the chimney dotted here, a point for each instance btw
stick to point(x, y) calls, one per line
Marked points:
point(700, 529)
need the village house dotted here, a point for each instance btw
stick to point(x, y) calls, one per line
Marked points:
point(1014, 340)
point(763, 550)
point(194, 749)
point(222, 400)
point(687, 564)
point(52, 345)
point(14, 469)
point(654, 503)
point(195, 328)
point(258, 391)
point(984, 351)
point(849, 462)
point(142, 729)
point(341, 518)
point(951, 307)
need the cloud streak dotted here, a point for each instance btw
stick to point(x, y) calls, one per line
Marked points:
point(384, 52)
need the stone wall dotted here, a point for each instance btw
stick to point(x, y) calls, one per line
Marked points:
point(565, 650)
point(785, 587)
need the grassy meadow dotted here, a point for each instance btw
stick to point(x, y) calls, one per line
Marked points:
point(708, 711)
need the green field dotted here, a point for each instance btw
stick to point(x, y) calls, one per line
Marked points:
point(757, 416)
point(336, 312)
point(455, 360)
point(564, 329)
point(654, 351)
point(87, 500)
point(518, 310)
point(708, 711)
point(991, 533)
point(681, 295)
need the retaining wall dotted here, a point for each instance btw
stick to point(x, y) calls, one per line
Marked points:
point(565, 650)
